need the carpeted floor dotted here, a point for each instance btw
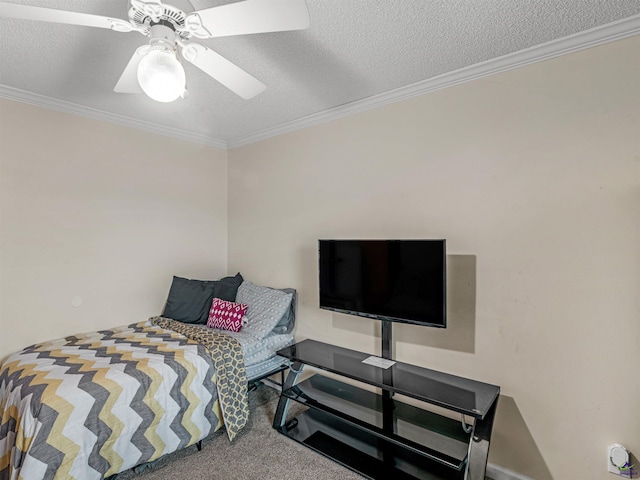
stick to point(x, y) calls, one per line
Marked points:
point(257, 453)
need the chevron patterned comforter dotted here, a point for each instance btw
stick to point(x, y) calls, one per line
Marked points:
point(93, 405)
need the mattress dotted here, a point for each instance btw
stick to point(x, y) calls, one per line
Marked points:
point(261, 369)
point(260, 354)
point(256, 352)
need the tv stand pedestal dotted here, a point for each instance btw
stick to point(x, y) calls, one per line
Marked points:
point(378, 435)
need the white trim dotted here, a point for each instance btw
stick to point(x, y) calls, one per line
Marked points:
point(590, 38)
point(95, 114)
point(496, 472)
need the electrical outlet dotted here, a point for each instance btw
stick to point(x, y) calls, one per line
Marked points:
point(617, 457)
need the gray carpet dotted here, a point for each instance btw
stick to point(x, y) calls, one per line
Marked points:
point(257, 453)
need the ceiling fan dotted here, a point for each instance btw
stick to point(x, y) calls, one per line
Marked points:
point(155, 68)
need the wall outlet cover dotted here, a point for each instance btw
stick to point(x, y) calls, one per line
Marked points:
point(617, 457)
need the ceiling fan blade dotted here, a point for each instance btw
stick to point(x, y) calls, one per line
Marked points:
point(252, 16)
point(128, 82)
point(222, 70)
point(29, 12)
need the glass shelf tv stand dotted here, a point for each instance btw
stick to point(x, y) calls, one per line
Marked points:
point(378, 435)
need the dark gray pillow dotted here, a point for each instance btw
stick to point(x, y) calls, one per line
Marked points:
point(189, 300)
point(227, 288)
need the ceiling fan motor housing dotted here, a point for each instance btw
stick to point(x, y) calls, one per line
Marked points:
point(145, 19)
point(162, 32)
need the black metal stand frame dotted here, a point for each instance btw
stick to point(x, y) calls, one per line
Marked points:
point(479, 432)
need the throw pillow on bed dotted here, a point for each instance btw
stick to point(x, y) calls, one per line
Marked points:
point(189, 301)
point(266, 307)
point(226, 315)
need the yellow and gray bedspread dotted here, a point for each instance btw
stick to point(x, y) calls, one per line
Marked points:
point(92, 405)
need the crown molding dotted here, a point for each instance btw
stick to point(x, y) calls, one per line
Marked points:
point(95, 114)
point(580, 41)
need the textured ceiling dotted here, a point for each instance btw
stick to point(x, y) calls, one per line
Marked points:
point(353, 50)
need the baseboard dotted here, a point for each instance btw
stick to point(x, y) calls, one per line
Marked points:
point(495, 472)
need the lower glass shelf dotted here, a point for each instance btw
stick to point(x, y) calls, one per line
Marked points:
point(425, 433)
point(361, 451)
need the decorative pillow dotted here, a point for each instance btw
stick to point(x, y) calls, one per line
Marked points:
point(266, 307)
point(189, 301)
point(226, 315)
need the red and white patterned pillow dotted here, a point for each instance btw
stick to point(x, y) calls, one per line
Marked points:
point(226, 315)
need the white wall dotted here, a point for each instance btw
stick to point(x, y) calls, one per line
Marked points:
point(533, 177)
point(101, 214)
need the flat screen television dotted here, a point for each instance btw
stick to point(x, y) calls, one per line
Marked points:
point(396, 280)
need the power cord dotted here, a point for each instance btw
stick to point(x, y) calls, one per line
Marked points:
point(627, 470)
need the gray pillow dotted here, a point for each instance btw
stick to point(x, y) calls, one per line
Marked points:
point(288, 320)
point(266, 305)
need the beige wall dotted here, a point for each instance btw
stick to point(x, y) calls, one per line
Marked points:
point(533, 177)
point(100, 214)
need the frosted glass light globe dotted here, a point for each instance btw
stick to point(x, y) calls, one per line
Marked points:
point(161, 76)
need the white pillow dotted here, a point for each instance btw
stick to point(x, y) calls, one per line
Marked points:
point(266, 307)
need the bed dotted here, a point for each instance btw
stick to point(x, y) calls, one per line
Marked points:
point(91, 405)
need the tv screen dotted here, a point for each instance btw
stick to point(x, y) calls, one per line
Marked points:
point(397, 280)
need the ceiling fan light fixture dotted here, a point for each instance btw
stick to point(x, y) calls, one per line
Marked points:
point(156, 69)
point(160, 75)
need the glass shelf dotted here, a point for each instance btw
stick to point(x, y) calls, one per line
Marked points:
point(376, 434)
point(359, 450)
point(455, 393)
point(439, 438)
